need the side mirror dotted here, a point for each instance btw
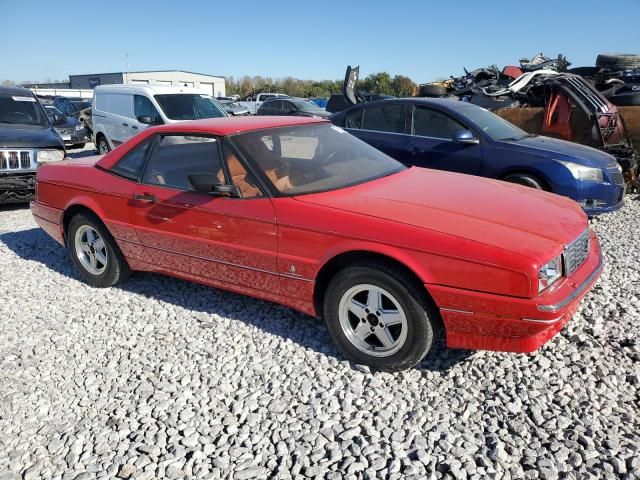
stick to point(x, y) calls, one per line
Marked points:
point(146, 119)
point(209, 183)
point(292, 111)
point(59, 119)
point(465, 137)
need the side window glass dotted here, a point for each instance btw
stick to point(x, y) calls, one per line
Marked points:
point(142, 106)
point(131, 163)
point(240, 177)
point(178, 156)
point(430, 123)
point(121, 104)
point(384, 118)
point(353, 119)
point(275, 105)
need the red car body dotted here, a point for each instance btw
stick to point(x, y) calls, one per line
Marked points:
point(475, 244)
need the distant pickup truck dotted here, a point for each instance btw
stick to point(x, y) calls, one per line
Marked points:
point(254, 100)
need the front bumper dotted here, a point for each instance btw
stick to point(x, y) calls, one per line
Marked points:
point(483, 321)
point(17, 187)
point(597, 198)
point(78, 136)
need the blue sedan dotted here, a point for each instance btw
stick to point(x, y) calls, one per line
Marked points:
point(460, 137)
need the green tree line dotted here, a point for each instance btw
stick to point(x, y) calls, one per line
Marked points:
point(382, 83)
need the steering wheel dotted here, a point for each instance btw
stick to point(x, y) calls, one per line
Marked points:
point(328, 159)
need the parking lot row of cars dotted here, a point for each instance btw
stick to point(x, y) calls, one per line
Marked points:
point(431, 133)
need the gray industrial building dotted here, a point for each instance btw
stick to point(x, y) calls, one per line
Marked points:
point(214, 85)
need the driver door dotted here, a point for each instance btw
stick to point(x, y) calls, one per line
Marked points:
point(230, 241)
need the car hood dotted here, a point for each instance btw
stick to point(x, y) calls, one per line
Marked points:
point(28, 136)
point(563, 150)
point(504, 215)
point(69, 123)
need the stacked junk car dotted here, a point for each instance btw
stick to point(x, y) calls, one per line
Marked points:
point(585, 105)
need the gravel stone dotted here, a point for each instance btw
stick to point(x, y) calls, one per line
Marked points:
point(161, 378)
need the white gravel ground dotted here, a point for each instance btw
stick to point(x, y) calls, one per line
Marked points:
point(161, 378)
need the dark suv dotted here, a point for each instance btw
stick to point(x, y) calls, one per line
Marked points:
point(27, 138)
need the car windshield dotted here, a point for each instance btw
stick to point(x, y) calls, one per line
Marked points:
point(307, 106)
point(493, 125)
point(21, 110)
point(189, 106)
point(313, 158)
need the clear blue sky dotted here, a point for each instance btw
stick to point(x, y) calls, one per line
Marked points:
point(310, 40)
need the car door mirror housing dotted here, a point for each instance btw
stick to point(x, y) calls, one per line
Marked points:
point(465, 137)
point(59, 119)
point(146, 119)
point(209, 183)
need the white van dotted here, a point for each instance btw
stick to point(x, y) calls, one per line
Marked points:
point(121, 111)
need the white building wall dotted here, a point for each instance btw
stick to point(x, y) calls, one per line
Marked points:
point(212, 85)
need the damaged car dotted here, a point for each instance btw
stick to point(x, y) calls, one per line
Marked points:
point(27, 139)
point(73, 133)
point(543, 97)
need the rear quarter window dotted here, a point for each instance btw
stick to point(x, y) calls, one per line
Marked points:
point(121, 104)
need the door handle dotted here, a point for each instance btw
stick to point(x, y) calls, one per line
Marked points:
point(145, 197)
point(125, 124)
point(134, 127)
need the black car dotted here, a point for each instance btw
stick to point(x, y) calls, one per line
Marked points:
point(72, 132)
point(297, 107)
point(27, 138)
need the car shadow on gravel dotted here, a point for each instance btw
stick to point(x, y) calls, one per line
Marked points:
point(35, 245)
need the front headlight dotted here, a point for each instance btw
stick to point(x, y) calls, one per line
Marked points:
point(79, 127)
point(47, 156)
point(550, 273)
point(580, 172)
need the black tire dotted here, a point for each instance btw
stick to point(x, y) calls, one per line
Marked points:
point(584, 71)
point(116, 269)
point(525, 180)
point(618, 61)
point(432, 91)
point(102, 145)
point(421, 315)
point(625, 99)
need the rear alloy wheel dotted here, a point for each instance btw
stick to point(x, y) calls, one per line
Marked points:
point(94, 252)
point(378, 316)
point(103, 145)
point(525, 180)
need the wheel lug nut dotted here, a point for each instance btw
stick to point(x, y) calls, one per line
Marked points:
point(366, 310)
point(372, 329)
point(363, 320)
point(378, 313)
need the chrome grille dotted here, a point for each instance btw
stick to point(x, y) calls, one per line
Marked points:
point(17, 160)
point(576, 253)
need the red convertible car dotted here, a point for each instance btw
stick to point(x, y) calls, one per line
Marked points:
point(296, 211)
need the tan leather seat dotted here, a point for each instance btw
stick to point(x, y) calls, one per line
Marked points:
point(239, 178)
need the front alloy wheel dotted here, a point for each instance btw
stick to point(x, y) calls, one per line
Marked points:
point(103, 146)
point(380, 315)
point(373, 320)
